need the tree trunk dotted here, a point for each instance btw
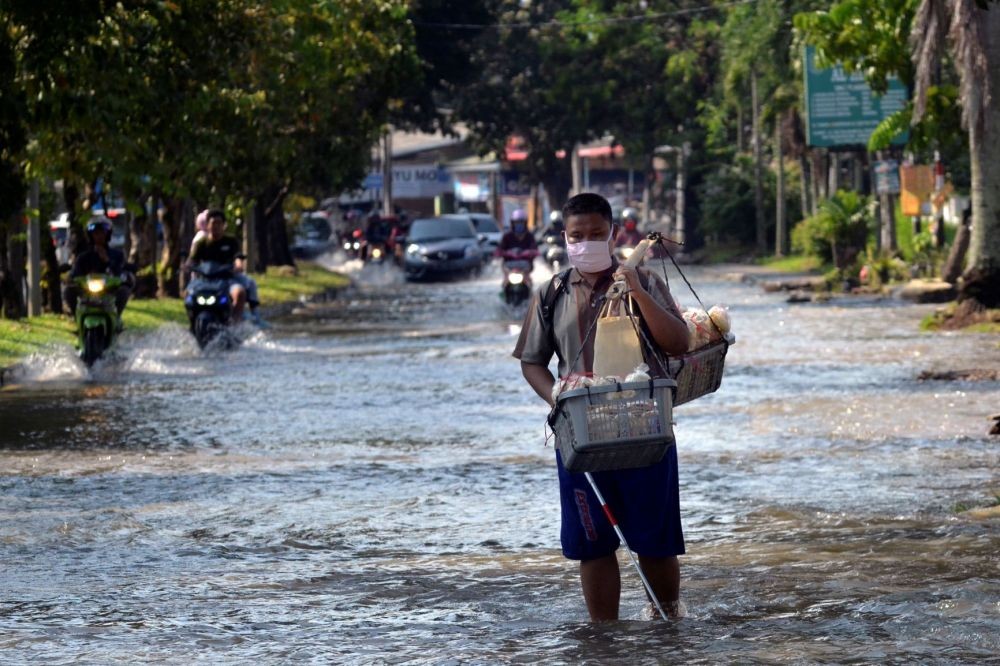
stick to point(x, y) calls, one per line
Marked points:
point(51, 275)
point(952, 268)
point(168, 276)
point(12, 273)
point(558, 183)
point(142, 231)
point(272, 236)
point(981, 281)
point(780, 234)
point(740, 141)
point(758, 166)
point(805, 186)
point(817, 172)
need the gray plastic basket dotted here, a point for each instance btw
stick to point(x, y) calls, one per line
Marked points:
point(615, 426)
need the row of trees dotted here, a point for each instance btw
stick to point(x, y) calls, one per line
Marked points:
point(212, 100)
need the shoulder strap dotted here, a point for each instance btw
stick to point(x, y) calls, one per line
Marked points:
point(557, 285)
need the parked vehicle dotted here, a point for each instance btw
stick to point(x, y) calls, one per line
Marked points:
point(97, 320)
point(208, 303)
point(442, 246)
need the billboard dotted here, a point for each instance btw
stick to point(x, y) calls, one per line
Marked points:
point(841, 109)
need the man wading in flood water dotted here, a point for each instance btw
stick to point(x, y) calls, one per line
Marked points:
point(645, 500)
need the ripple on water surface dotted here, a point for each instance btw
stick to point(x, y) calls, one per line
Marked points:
point(368, 481)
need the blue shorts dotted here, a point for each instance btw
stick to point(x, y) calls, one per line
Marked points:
point(645, 500)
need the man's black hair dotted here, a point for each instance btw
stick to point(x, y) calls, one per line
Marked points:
point(588, 202)
point(214, 213)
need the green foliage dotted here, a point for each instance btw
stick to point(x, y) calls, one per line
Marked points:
point(728, 200)
point(839, 231)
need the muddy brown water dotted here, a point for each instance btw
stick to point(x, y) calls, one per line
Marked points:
point(367, 482)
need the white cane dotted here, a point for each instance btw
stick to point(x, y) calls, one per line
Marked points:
point(618, 531)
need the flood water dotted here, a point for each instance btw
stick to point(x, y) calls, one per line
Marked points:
point(368, 482)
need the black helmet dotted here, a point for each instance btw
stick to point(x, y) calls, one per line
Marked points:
point(99, 222)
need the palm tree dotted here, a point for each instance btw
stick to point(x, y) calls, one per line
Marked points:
point(971, 29)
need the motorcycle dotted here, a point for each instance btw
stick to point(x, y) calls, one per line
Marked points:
point(555, 251)
point(354, 244)
point(375, 253)
point(517, 264)
point(97, 319)
point(208, 303)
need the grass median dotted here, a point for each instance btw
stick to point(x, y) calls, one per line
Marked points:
point(21, 338)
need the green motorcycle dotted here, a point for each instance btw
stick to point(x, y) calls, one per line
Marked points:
point(97, 319)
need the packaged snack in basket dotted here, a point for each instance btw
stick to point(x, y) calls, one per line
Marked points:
point(640, 374)
point(720, 316)
point(700, 328)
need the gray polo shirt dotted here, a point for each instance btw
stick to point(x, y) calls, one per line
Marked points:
point(573, 314)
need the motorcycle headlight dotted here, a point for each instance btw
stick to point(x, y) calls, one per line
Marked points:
point(627, 252)
point(347, 245)
point(357, 245)
point(95, 285)
point(200, 300)
point(516, 278)
point(210, 300)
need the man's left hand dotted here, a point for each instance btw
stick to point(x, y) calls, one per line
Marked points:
point(631, 277)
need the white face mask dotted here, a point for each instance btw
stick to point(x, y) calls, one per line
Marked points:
point(589, 256)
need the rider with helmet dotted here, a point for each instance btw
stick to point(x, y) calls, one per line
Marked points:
point(555, 226)
point(518, 237)
point(99, 258)
point(629, 235)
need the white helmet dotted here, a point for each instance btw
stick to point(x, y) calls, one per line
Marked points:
point(630, 214)
point(555, 216)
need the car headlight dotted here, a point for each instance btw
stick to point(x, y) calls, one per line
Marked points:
point(412, 248)
point(516, 278)
point(95, 285)
point(472, 251)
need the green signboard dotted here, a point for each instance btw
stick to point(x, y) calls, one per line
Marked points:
point(842, 110)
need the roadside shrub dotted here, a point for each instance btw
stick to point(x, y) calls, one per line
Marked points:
point(839, 231)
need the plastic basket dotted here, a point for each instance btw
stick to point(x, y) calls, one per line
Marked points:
point(615, 426)
point(699, 372)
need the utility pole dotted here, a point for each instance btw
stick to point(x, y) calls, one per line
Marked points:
point(576, 170)
point(34, 254)
point(387, 172)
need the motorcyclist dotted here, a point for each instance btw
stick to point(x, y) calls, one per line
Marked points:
point(99, 258)
point(217, 247)
point(629, 236)
point(518, 237)
point(555, 227)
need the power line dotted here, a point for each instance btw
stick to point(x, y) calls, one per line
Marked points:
point(570, 24)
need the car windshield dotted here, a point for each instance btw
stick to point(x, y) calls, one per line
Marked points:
point(315, 224)
point(439, 228)
point(486, 225)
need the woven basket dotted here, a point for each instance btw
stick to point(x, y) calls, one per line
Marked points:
point(615, 426)
point(699, 372)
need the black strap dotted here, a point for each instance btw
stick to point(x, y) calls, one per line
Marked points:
point(557, 285)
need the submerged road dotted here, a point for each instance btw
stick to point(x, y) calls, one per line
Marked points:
point(368, 481)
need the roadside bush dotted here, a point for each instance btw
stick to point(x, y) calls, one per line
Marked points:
point(839, 231)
